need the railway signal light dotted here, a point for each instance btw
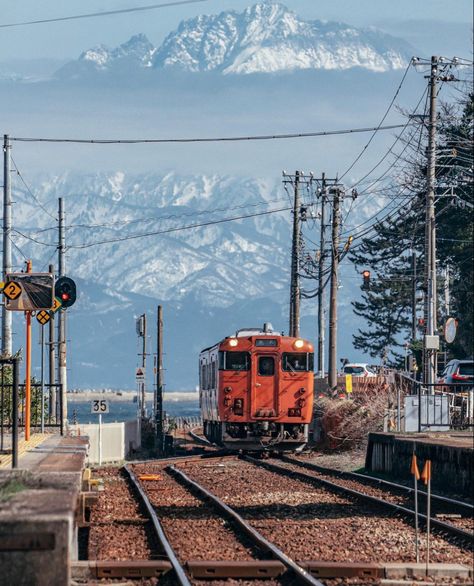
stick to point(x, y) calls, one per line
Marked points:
point(65, 290)
point(366, 279)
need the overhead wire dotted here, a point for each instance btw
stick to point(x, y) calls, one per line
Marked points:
point(156, 232)
point(30, 191)
point(387, 111)
point(205, 139)
point(101, 14)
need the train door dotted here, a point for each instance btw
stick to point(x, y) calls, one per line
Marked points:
point(265, 395)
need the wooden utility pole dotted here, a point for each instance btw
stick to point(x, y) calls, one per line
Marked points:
point(321, 300)
point(332, 366)
point(294, 325)
point(159, 382)
point(7, 245)
point(62, 368)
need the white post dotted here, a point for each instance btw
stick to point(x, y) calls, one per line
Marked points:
point(100, 439)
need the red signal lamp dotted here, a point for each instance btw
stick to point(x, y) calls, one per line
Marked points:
point(366, 279)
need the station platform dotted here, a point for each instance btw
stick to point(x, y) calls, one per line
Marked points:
point(40, 506)
point(451, 455)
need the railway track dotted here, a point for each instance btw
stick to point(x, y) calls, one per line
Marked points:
point(312, 521)
point(451, 511)
point(226, 518)
point(208, 539)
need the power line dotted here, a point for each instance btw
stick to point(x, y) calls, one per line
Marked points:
point(157, 232)
point(206, 139)
point(29, 190)
point(359, 156)
point(96, 14)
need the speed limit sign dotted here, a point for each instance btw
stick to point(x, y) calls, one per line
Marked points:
point(99, 406)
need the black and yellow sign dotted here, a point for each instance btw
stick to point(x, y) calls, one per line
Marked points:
point(12, 290)
point(43, 317)
point(29, 291)
point(56, 304)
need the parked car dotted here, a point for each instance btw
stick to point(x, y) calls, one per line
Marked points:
point(358, 369)
point(458, 372)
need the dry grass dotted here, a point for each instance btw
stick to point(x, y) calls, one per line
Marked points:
point(345, 422)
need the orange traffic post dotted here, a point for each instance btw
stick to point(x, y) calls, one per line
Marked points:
point(28, 367)
point(426, 477)
point(416, 476)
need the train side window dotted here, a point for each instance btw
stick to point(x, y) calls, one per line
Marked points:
point(297, 362)
point(266, 365)
point(213, 379)
point(234, 361)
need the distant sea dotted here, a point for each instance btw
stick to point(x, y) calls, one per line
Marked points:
point(126, 410)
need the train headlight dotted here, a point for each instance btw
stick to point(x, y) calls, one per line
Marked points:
point(299, 343)
point(233, 342)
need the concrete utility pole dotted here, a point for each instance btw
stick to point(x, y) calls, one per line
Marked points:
point(7, 246)
point(332, 366)
point(322, 258)
point(53, 412)
point(413, 297)
point(62, 369)
point(142, 387)
point(430, 347)
point(159, 382)
point(294, 326)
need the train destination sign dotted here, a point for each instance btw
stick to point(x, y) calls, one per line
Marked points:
point(29, 291)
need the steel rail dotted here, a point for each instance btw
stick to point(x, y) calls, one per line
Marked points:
point(337, 488)
point(179, 571)
point(254, 535)
point(199, 438)
point(372, 479)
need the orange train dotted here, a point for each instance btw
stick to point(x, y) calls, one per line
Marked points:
point(256, 390)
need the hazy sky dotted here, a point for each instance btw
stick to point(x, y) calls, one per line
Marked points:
point(64, 40)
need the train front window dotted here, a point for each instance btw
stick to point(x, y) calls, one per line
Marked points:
point(266, 366)
point(234, 361)
point(297, 362)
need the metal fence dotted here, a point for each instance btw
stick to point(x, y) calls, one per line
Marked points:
point(9, 402)
point(437, 407)
point(46, 407)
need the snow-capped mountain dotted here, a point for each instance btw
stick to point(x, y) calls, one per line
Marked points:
point(267, 38)
point(264, 38)
point(142, 217)
point(129, 247)
point(136, 53)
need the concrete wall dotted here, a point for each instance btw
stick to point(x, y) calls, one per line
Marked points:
point(118, 439)
point(452, 465)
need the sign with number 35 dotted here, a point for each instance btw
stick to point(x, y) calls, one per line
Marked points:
point(99, 406)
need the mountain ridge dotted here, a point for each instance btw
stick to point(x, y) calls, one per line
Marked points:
point(265, 38)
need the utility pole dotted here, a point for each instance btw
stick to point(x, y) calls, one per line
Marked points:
point(429, 346)
point(447, 295)
point(53, 413)
point(332, 365)
point(413, 297)
point(294, 326)
point(7, 247)
point(159, 381)
point(321, 300)
point(142, 384)
point(62, 370)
